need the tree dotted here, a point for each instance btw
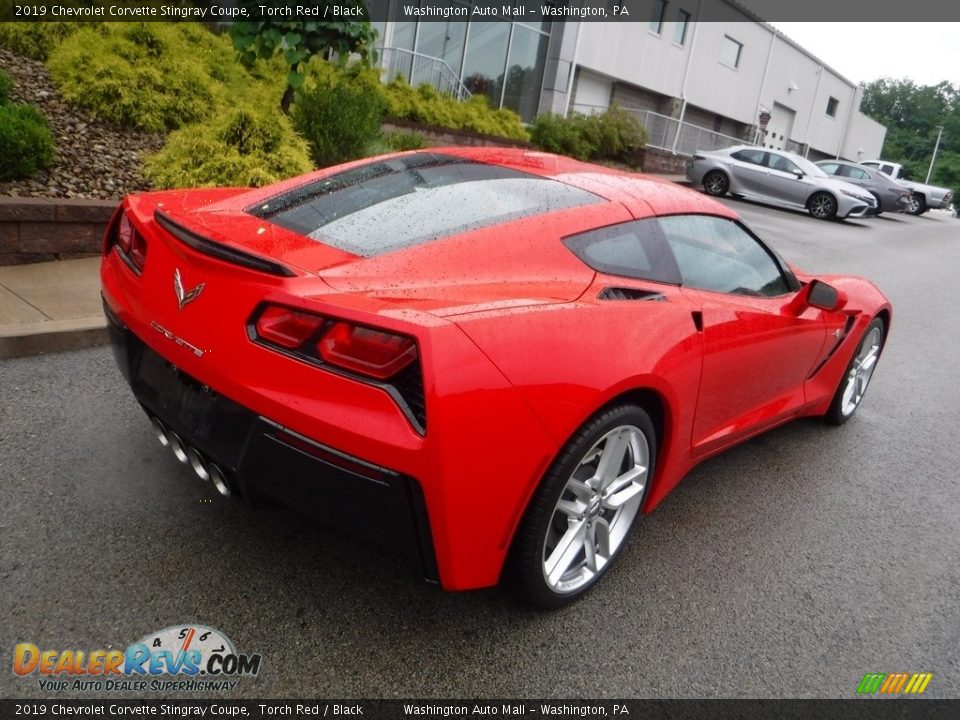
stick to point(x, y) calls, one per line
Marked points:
point(297, 42)
point(913, 113)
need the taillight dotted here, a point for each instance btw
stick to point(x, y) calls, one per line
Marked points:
point(373, 355)
point(130, 244)
point(287, 328)
point(359, 349)
point(376, 353)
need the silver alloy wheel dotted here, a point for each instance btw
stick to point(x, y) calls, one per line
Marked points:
point(715, 183)
point(861, 371)
point(822, 206)
point(596, 509)
point(913, 205)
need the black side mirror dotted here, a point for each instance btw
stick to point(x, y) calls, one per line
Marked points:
point(800, 174)
point(824, 296)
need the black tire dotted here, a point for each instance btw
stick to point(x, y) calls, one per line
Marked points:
point(822, 205)
point(840, 410)
point(716, 183)
point(544, 519)
point(919, 207)
point(879, 211)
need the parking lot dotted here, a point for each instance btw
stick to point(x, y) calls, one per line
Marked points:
point(789, 566)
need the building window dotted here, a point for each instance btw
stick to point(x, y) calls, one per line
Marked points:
point(730, 52)
point(832, 104)
point(659, 11)
point(680, 29)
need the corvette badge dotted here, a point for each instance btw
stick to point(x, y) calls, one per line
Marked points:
point(185, 297)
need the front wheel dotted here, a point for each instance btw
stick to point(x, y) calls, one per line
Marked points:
point(716, 183)
point(857, 377)
point(579, 519)
point(822, 206)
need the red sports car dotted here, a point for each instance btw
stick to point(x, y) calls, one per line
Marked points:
point(493, 359)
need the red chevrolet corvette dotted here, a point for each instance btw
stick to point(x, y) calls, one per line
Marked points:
point(493, 359)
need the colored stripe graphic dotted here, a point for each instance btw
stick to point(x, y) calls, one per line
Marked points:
point(894, 683)
point(871, 683)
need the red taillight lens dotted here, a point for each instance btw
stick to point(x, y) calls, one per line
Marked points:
point(125, 234)
point(131, 244)
point(375, 353)
point(287, 328)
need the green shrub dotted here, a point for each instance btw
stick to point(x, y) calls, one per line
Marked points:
point(36, 39)
point(339, 114)
point(401, 140)
point(26, 143)
point(424, 104)
point(152, 76)
point(560, 135)
point(243, 147)
point(6, 87)
point(612, 135)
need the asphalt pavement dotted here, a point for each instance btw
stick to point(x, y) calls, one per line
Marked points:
point(787, 567)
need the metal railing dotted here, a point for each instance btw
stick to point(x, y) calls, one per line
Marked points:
point(419, 69)
point(667, 133)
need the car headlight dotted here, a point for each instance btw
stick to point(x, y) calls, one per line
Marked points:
point(869, 200)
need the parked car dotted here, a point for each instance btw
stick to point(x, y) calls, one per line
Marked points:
point(781, 178)
point(923, 197)
point(493, 359)
point(891, 196)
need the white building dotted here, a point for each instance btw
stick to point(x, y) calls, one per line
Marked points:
point(694, 84)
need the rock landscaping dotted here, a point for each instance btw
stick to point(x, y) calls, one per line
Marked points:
point(94, 159)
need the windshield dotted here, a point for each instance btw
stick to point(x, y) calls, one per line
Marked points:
point(808, 167)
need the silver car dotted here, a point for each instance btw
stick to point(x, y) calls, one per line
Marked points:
point(781, 178)
point(891, 195)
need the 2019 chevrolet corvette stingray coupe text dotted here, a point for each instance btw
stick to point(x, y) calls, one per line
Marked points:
point(494, 359)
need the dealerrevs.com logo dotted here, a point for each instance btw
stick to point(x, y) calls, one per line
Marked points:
point(177, 658)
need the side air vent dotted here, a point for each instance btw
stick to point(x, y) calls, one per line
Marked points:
point(621, 293)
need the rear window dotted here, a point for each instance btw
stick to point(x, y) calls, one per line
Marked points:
point(394, 204)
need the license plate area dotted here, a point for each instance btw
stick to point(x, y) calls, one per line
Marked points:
point(205, 419)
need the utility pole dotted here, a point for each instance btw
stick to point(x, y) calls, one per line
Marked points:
point(934, 158)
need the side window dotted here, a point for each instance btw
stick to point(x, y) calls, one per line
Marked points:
point(633, 249)
point(858, 174)
point(717, 254)
point(778, 162)
point(750, 156)
point(830, 168)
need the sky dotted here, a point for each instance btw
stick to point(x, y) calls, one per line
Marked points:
point(926, 53)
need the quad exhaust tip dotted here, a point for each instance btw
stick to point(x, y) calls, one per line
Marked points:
point(198, 464)
point(192, 457)
point(160, 431)
point(178, 447)
point(219, 479)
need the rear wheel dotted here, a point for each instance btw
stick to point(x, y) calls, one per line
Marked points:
point(822, 205)
point(917, 204)
point(857, 377)
point(716, 183)
point(579, 519)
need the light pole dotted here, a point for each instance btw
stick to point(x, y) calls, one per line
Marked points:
point(934, 158)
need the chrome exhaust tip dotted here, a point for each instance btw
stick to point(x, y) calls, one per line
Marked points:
point(178, 447)
point(198, 464)
point(161, 431)
point(219, 479)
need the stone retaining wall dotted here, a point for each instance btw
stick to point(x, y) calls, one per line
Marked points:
point(440, 136)
point(36, 229)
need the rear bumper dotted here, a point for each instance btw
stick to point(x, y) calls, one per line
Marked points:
point(262, 457)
